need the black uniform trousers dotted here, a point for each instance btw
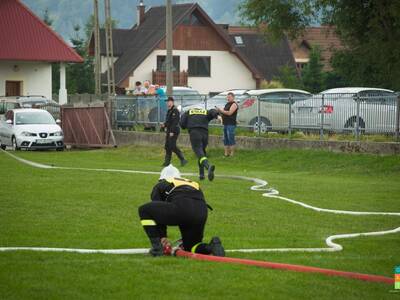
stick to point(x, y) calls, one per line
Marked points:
point(171, 147)
point(199, 141)
point(189, 214)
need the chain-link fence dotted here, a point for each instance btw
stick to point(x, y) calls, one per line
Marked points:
point(323, 114)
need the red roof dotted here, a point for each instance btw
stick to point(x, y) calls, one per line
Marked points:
point(24, 36)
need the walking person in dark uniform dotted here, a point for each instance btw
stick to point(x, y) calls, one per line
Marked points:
point(172, 132)
point(179, 202)
point(229, 114)
point(196, 121)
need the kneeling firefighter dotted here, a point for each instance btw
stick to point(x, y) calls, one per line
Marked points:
point(176, 201)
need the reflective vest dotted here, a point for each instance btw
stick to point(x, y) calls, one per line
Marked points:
point(177, 182)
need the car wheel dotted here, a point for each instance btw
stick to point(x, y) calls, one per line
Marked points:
point(2, 146)
point(265, 125)
point(14, 144)
point(351, 124)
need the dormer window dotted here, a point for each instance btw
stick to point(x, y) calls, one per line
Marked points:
point(238, 40)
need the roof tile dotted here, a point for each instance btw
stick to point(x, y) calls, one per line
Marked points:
point(23, 36)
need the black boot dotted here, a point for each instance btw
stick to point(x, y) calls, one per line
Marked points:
point(179, 153)
point(201, 172)
point(167, 160)
point(210, 168)
point(215, 247)
point(156, 247)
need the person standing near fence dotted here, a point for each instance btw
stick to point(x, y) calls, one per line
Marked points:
point(139, 90)
point(172, 132)
point(229, 115)
point(196, 121)
point(161, 97)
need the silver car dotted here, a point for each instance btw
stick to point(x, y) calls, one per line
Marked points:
point(273, 106)
point(337, 110)
point(218, 100)
point(30, 129)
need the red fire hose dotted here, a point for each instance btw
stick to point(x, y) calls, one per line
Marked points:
point(288, 267)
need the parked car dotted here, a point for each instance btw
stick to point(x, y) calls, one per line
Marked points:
point(218, 100)
point(40, 102)
point(7, 103)
point(274, 108)
point(30, 129)
point(32, 101)
point(183, 96)
point(338, 111)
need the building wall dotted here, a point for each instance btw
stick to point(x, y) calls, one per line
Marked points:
point(227, 71)
point(104, 63)
point(196, 38)
point(35, 77)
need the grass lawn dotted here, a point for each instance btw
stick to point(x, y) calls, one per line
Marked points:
point(86, 209)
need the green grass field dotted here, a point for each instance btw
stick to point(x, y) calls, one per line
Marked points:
point(98, 210)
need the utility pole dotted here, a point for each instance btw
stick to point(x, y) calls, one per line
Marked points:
point(169, 59)
point(109, 50)
point(97, 59)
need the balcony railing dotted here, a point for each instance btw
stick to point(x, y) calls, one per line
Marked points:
point(180, 78)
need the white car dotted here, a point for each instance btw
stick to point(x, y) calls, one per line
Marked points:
point(183, 96)
point(337, 109)
point(273, 105)
point(218, 100)
point(30, 129)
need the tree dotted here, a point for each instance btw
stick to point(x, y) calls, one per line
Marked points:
point(279, 17)
point(289, 78)
point(312, 76)
point(46, 18)
point(80, 76)
point(369, 30)
point(273, 84)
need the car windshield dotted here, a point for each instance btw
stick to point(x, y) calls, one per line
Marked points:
point(38, 117)
point(188, 94)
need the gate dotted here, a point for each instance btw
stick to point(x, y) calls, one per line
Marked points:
point(87, 126)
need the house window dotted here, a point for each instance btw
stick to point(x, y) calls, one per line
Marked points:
point(238, 40)
point(199, 66)
point(161, 63)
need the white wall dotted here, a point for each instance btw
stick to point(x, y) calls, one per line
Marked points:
point(35, 77)
point(103, 61)
point(227, 71)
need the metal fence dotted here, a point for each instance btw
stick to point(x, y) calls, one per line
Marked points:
point(322, 114)
point(82, 98)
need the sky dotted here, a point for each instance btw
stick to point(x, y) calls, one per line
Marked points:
point(68, 13)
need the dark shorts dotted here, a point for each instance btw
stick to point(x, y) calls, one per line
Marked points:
point(229, 135)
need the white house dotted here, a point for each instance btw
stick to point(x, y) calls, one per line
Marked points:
point(27, 48)
point(207, 57)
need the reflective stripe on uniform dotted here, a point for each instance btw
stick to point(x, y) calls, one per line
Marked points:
point(197, 111)
point(193, 250)
point(148, 223)
point(202, 159)
point(181, 182)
